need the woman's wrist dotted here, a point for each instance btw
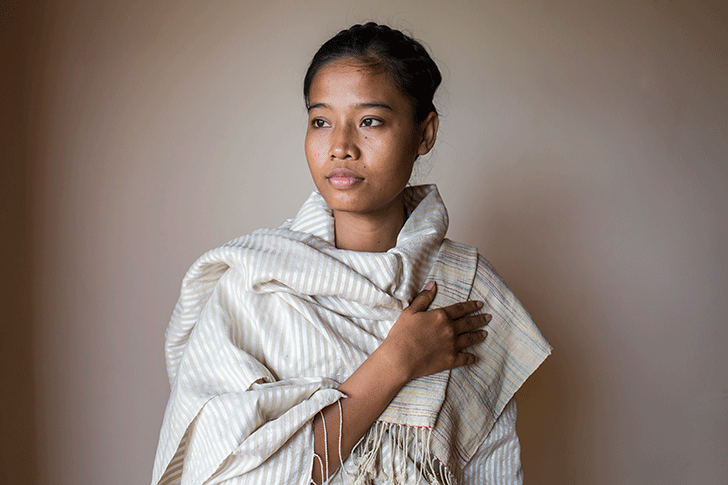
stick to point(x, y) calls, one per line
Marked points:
point(393, 364)
point(369, 390)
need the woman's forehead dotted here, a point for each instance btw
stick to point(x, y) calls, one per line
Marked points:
point(349, 82)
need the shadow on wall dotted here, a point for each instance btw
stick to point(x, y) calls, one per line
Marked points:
point(531, 223)
point(17, 412)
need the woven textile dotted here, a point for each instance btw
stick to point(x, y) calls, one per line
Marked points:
point(268, 325)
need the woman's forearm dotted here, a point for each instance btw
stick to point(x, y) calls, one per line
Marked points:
point(369, 391)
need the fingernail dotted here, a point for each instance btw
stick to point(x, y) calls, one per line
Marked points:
point(479, 304)
point(484, 333)
point(488, 317)
point(429, 285)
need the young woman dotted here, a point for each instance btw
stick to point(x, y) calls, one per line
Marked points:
point(350, 344)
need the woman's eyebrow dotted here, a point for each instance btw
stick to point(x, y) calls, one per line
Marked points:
point(374, 104)
point(371, 104)
point(319, 105)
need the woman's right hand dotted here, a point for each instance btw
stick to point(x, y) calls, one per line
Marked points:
point(423, 342)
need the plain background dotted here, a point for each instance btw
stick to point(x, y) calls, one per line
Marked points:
point(583, 148)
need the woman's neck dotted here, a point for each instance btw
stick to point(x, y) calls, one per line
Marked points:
point(370, 232)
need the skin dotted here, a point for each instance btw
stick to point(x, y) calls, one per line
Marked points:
point(361, 144)
point(359, 122)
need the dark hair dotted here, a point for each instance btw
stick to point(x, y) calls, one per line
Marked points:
point(379, 47)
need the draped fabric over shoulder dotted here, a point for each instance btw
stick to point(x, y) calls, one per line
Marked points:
point(268, 326)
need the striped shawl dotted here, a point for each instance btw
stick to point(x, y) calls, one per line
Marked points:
point(268, 325)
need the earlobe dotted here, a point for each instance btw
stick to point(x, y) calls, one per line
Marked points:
point(428, 129)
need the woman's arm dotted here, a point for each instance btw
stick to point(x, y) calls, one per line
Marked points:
point(420, 343)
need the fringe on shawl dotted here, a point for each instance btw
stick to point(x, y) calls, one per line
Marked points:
point(406, 443)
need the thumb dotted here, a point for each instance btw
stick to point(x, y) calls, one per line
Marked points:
point(424, 298)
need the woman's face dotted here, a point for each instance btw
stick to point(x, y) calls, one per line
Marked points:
point(362, 139)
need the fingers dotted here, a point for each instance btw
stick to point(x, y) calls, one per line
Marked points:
point(468, 324)
point(465, 340)
point(467, 332)
point(464, 358)
point(469, 339)
point(454, 312)
point(424, 298)
point(459, 310)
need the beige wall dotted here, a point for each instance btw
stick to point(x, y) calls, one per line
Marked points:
point(583, 149)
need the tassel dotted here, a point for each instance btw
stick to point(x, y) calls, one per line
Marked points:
point(407, 443)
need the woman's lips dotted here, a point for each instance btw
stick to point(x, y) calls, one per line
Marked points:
point(342, 178)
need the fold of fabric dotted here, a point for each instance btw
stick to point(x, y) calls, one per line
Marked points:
point(268, 325)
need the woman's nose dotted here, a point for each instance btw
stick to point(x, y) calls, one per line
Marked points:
point(344, 144)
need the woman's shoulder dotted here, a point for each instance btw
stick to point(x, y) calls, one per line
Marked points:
point(462, 261)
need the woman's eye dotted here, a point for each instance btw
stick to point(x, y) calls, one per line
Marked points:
point(368, 122)
point(318, 123)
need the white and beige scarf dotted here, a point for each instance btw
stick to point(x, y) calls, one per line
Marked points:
point(268, 325)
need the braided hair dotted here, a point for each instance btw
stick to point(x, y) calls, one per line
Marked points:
point(383, 49)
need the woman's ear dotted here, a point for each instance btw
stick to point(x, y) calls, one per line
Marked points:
point(428, 133)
